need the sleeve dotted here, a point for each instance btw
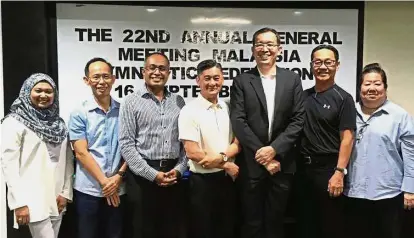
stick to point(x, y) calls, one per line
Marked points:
point(188, 127)
point(407, 149)
point(347, 116)
point(67, 191)
point(182, 160)
point(77, 125)
point(127, 131)
point(238, 117)
point(286, 140)
point(12, 138)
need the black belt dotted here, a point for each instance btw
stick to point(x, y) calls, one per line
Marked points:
point(321, 159)
point(163, 165)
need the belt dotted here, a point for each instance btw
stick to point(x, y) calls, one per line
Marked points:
point(325, 159)
point(163, 165)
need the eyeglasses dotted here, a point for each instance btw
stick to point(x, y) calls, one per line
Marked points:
point(161, 68)
point(260, 46)
point(97, 77)
point(327, 63)
point(360, 133)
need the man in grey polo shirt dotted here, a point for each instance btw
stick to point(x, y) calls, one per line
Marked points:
point(205, 129)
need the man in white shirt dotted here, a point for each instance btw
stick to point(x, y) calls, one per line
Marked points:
point(205, 130)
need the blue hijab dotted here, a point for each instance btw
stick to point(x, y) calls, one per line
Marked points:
point(46, 123)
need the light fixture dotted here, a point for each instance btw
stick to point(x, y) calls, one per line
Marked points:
point(151, 9)
point(297, 13)
point(224, 20)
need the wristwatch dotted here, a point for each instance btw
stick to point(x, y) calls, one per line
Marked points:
point(224, 156)
point(342, 170)
point(121, 173)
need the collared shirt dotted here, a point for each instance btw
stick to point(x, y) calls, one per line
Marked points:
point(382, 162)
point(207, 124)
point(269, 87)
point(100, 129)
point(149, 130)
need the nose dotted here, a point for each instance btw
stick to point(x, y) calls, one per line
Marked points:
point(43, 95)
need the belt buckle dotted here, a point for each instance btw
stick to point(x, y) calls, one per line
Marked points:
point(308, 159)
point(163, 163)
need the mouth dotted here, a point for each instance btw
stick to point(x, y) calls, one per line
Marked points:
point(101, 89)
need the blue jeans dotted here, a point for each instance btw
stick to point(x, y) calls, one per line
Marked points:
point(96, 217)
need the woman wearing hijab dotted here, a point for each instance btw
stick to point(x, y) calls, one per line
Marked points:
point(36, 159)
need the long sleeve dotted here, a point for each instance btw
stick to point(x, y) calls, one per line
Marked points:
point(407, 149)
point(285, 141)
point(67, 191)
point(12, 142)
point(182, 161)
point(127, 131)
point(239, 119)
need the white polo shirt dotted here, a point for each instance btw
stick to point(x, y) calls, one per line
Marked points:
point(269, 87)
point(207, 124)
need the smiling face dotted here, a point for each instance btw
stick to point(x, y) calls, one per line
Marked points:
point(324, 65)
point(373, 91)
point(100, 79)
point(156, 71)
point(210, 82)
point(266, 49)
point(42, 95)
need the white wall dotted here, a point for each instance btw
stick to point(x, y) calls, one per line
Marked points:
point(389, 40)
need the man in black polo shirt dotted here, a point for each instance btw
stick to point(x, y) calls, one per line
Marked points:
point(326, 146)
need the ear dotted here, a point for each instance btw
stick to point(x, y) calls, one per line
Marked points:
point(86, 80)
point(337, 66)
point(279, 51)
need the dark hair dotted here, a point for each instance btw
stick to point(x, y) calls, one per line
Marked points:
point(97, 59)
point(264, 30)
point(207, 64)
point(328, 47)
point(374, 68)
point(156, 53)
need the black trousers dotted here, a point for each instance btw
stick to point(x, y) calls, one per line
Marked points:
point(212, 205)
point(263, 205)
point(318, 214)
point(375, 219)
point(156, 212)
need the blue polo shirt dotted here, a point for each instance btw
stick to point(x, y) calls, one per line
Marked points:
point(100, 129)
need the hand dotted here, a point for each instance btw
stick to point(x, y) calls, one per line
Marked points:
point(172, 174)
point(113, 200)
point(231, 169)
point(110, 185)
point(22, 215)
point(162, 180)
point(336, 184)
point(409, 201)
point(209, 162)
point(265, 154)
point(273, 167)
point(61, 203)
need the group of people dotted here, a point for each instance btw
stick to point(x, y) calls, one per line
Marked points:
point(352, 163)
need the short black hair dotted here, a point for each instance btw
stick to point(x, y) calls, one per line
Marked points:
point(328, 47)
point(97, 59)
point(374, 68)
point(207, 64)
point(156, 53)
point(264, 30)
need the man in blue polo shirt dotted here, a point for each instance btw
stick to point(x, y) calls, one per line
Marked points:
point(93, 131)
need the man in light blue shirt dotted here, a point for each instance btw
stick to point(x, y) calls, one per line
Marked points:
point(381, 169)
point(93, 131)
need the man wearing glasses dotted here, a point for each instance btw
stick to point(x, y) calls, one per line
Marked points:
point(155, 156)
point(93, 132)
point(267, 116)
point(326, 145)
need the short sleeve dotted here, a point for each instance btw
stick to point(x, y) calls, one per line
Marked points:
point(77, 125)
point(188, 127)
point(347, 120)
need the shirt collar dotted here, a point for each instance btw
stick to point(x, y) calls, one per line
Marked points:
point(272, 73)
point(144, 91)
point(386, 107)
point(206, 104)
point(92, 104)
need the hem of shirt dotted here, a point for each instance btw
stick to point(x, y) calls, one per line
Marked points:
point(376, 198)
